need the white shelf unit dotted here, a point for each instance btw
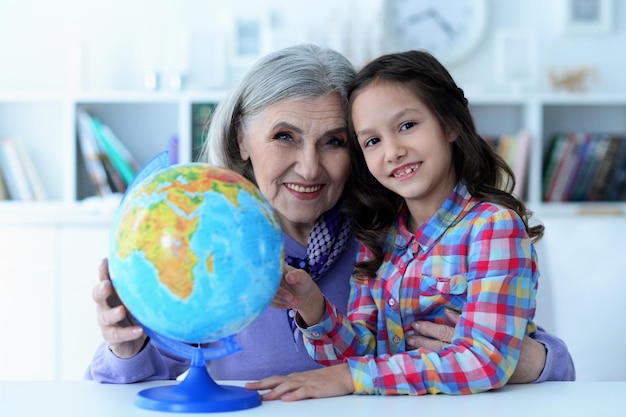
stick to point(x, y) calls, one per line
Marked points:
point(46, 125)
point(146, 121)
point(543, 115)
point(50, 250)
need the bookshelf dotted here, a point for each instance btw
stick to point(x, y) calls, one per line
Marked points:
point(146, 122)
point(54, 246)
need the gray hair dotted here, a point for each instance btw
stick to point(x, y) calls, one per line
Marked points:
point(296, 72)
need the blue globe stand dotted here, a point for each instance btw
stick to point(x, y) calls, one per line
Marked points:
point(198, 392)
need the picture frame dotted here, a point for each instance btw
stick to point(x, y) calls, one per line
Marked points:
point(587, 17)
point(250, 38)
point(516, 59)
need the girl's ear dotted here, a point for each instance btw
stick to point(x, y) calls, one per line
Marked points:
point(452, 135)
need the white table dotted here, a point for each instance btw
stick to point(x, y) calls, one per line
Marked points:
point(91, 399)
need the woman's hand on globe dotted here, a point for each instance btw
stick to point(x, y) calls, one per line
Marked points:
point(125, 339)
point(298, 291)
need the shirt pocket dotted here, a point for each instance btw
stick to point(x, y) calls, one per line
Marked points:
point(455, 285)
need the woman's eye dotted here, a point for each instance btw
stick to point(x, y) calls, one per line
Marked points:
point(338, 142)
point(407, 125)
point(371, 142)
point(285, 137)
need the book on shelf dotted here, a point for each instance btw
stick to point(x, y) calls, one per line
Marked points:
point(616, 187)
point(603, 177)
point(553, 162)
point(566, 168)
point(172, 148)
point(91, 154)
point(4, 193)
point(519, 159)
point(109, 163)
point(18, 172)
point(200, 117)
point(618, 175)
point(514, 149)
point(32, 176)
point(113, 148)
point(585, 167)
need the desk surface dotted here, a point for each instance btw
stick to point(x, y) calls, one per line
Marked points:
point(91, 399)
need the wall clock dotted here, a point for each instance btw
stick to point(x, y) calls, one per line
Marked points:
point(448, 29)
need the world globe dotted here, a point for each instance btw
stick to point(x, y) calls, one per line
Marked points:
point(195, 254)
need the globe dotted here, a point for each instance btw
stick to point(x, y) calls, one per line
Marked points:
point(196, 254)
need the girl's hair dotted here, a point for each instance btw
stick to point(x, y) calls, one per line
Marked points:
point(296, 72)
point(486, 174)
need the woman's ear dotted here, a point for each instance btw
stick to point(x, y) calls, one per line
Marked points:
point(242, 150)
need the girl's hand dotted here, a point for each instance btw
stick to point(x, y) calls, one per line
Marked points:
point(332, 381)
point(298, 291)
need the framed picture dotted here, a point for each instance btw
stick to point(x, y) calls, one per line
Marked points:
point(516, 58)
point(587, 17)
point(250, 38)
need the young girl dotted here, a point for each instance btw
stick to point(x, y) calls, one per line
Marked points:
point(439, 229)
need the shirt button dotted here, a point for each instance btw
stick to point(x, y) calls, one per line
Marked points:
point(401, 265)
point(392, 302)
point(396, 340)
point(315, 334)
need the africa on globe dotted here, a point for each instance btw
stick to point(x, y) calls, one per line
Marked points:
point(196, 252)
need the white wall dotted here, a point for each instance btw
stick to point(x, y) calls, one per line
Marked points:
point(112, 44)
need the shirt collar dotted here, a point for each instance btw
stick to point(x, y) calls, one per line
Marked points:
point(458, 203)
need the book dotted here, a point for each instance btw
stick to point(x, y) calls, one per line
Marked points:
point(514, 150)
point(172, 148)
point(520, 162)
point(589, 159)
point(15, 176)
point(598, 186)
point(116, 182)
point(554, 161)
point(616, 179)
point(111, 146)
point(200, 118)
point(91, 155)
point(4, 194)
point(571, 166)
point(32, 176)
point(565, 168)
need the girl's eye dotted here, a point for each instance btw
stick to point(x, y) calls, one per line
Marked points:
point(407, 125)
point(371, 142)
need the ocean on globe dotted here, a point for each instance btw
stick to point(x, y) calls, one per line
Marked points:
point(196, 252)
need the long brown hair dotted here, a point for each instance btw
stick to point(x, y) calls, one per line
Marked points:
point(486, 174)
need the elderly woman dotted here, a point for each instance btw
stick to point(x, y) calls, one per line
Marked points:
point(284, 128)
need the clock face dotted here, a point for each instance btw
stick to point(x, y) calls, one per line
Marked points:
point(448, 29)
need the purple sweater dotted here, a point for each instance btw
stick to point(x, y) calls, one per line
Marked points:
point(269, 347)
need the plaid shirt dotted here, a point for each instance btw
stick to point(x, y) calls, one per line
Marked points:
point(471, 256)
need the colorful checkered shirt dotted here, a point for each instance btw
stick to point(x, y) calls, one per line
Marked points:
point(471, 256)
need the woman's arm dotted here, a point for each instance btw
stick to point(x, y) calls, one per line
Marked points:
point(543, 356)
point(151, 363)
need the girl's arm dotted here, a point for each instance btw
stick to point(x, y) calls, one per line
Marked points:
point(336, 337)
